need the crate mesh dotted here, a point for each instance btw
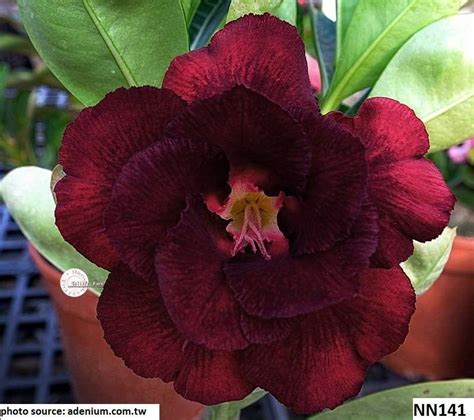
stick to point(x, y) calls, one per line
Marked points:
point(32, 368)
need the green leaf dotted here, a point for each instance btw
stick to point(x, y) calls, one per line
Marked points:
point(397, 403)
point(26, 193)
point(324, 32)
point(433, 73)
point(189, 9)
point(96, 46)
point(377, 31)
point(284, 9)
point(206, 20)
point(3, 85)
point(231, 410)
point(345, 11)
point(428, 260)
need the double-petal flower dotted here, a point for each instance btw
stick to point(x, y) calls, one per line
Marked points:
point(252, 242)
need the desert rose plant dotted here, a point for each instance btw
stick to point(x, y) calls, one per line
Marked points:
point(252, 232)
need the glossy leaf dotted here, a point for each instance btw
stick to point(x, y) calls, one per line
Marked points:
point(397, 403)
point(284, 9)
point(433, 73)
point(231, 410)
point(376, 32)
point(345, 11)
point(26, 193)
point(324, 32)
point(428, 260)
point(209, 15)
point(189, 9)
point(96, 46)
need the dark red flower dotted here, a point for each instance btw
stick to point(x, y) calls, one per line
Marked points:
point(251, 241)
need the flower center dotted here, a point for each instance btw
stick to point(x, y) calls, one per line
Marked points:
point(253, 218)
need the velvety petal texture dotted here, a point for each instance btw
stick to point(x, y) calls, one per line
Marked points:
point(94, 149)
point(150, 193)
point(412, 199)
point(245, 53)
point(335, 190)
point(288, 286)
point(325, 358)
point(139, 330)
point(256, 135)
point(189, 266)
point(252, 242)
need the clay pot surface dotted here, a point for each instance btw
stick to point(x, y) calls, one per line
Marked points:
point(97, 375)
point(440, 344)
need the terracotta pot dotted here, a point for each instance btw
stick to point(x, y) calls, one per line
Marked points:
point(440, 344)
point(97, 375)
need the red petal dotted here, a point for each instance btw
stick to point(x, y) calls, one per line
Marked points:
point(212, 377)
point(323, 362)
point(265, 331)
point(139, 330)
point(413, 196)
point(192, 281)
point(390, 130)
point(288, 286)
point(254, 132)
point(380, 313)
point(150, 194)
point(94, 149)
point(137, 326)
point(409, 192)
point(333, 197)
point(260, 52)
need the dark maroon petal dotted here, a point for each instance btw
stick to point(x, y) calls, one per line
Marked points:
point(287, 286)
point(150, 194)
point(380, 313)
point(255, 133)
point(315, 368)
point(137, 326)
point(94, 149)
point(195, 290)
point(325, 358)
point(140, 331)
point(393, 245)
point(260, 52)
point(390, 130)
point(264, 331)
point(411, 197)
point(333, 197)
point(212, 377)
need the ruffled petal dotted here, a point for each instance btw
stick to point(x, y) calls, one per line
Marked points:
point(381, 312)
point(325, 359)
point(286, 286)
point(189, 265)
point(94, 149)
point(257, 135)
point(140, 331)
point(411, 197)
point(334, 194)
point(390, 130)
point(260, 52)
point(150, 194)
point(212, 377)
point(137, 326)
point(414, 201)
